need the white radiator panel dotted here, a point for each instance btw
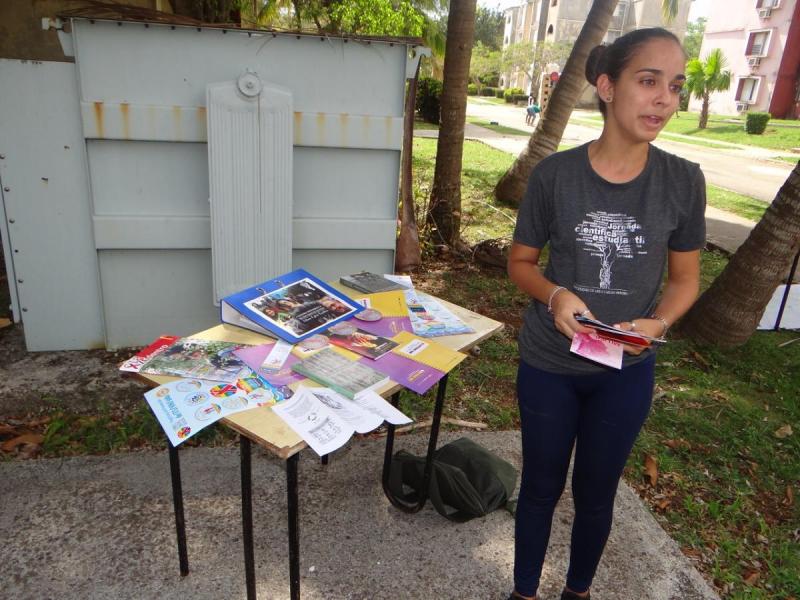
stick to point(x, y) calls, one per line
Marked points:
point(250, 140)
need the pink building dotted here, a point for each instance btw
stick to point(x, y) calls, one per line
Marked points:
point(761, 42)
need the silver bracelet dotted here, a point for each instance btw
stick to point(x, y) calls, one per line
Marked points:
point(559, 288)
point(663, 323)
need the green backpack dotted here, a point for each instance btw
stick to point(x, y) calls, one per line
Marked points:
point(467, 480)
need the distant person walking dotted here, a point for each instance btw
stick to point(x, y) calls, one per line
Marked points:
point(532, 112)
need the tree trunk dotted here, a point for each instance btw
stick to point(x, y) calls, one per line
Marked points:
point(408, 256)
point(445, 204)
point(704, 112)
point(553, 120)
point(728, 312)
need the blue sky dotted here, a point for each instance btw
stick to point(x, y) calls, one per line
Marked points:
point(700, 8)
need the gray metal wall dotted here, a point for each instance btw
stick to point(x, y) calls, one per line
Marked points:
point(135, 236)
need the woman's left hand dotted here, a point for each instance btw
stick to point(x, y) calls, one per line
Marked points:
point(649, 327)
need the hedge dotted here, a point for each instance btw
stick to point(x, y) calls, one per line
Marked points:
point(429, 92)
point(756, 122)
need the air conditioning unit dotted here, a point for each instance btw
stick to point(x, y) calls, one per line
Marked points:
point(741, 106)
point(754, 61)
point(765, 13)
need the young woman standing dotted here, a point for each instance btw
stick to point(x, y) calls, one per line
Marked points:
point(614, 212)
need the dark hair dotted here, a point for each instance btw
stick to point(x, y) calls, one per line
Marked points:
point(613, 59)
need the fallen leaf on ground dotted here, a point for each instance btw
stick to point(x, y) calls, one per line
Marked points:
point(783, 432)
point(25, 438)
point(7, 429)
point(679, 443)
point(789, 500)
point(651, 468)
point(30, 451)
point(751, 577)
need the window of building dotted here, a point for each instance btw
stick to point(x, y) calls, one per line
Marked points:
point(768, 3)
point(554, 3)
point(758, 43)
point(747, 90)
point(550, 30)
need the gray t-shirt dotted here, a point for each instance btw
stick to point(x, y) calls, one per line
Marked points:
point(608, 242)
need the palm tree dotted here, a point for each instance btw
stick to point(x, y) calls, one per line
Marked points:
point(730, 310)
point(669, 10)
point(546, 137)
point(703, 78)
point(445, 203)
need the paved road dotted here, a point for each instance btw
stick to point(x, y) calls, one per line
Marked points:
point(748, 172)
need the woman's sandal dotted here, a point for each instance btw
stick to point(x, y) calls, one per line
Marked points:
point(569, 595)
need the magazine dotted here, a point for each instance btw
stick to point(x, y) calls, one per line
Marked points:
point(187, 406)
point(370, 283)
point(430, 319)
point(255, 357)
point(198, 358)
point(292, 307)
point(611, 333)
point(348, 336)
point(134, 363)
point(348, 377)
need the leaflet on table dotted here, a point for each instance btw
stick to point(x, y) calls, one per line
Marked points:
point(401, 279)
point(198, 358)
point(430, 318)
point(326, 419)
point(597, 349)
point(417, 364)
point(292, 307)
point(254, 357)
point(187, 406)
point(338, 369)
point(135, 363)
point(394, 313)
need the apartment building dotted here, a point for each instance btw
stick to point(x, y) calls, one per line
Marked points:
point(562, 21)
point(761, 42)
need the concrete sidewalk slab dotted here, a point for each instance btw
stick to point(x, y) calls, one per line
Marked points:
point(103, 527)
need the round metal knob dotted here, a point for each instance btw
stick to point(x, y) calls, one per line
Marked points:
point(249, 84)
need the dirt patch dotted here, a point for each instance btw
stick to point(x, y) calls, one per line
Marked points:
point(76, 380)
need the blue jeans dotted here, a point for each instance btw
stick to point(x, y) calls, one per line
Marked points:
point(601, 414)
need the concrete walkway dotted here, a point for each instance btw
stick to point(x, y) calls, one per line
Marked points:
point(103, 528)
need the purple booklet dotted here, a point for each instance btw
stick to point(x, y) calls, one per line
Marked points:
point(253, 357)
point(409, 373)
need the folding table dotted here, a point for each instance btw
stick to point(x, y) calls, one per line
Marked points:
point(266, 429)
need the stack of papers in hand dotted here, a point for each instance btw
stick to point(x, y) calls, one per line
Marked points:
point(608, 332)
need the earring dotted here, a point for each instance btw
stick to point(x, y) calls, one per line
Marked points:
point(608, 99)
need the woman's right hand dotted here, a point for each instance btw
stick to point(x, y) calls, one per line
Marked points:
point(565, 305)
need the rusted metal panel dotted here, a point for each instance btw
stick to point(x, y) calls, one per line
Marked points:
point(107, 121)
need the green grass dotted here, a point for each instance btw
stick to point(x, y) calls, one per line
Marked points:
point(502, 129)
point(486, 100)
point(744, 206)
point(420, 124)
point(719, 129)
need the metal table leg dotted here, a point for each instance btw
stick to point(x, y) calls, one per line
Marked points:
point(785, 298)
point(387, 456)
point(247, 517)
point(294, 530)
point(177, 502)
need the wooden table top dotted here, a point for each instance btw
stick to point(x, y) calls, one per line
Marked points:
point(264, 427)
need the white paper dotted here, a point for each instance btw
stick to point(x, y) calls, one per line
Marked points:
point(374, 403)
point(359, 419)
point(790, 319)
point(277, 356)
point(401, 279)
point(313, 421)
